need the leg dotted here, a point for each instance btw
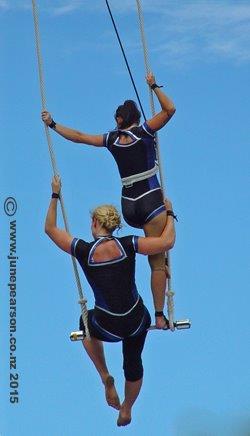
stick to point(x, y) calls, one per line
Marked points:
point(132, 390)
point(159, 272)
point(94, 349)
point(133, 369)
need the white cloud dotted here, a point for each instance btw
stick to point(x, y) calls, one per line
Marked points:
point(4, 4)
point(65, 9)
point(181, 31)
point(204, 30)
point(68, 7)
point(14, 4)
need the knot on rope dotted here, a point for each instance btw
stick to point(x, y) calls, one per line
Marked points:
point(170, 305)
point(82, 301)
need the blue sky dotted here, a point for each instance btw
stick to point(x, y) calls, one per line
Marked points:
point(197, 381)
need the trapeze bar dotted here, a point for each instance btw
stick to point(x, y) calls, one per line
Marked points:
point(182, 324)
point(179, 325)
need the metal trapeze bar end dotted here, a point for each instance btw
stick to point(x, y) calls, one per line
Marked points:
point(77, 336)
point(182, 324)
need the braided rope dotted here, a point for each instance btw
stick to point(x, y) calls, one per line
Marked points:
point(82, 298)
point(170, 301)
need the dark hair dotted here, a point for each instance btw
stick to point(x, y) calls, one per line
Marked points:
point(129, 112)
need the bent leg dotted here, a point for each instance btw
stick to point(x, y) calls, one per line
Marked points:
point(159, 271)
point(94, 349)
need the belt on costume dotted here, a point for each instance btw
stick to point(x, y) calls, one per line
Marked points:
point(128, 181)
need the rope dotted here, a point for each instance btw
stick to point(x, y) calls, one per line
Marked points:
point(125, 59)
point(170, 301)
point(82, 299)
point(170, 305)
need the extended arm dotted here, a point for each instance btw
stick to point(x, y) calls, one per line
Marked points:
point(60, 237)
point(71, 134)
point(153, 245)
point(167, 106)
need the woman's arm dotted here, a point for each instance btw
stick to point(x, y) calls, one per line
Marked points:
point(60, 237)
point(154, 245)
point(71, 134)
point(167, 106)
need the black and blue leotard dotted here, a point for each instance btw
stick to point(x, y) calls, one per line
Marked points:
point(119, 313)
point(141, 200)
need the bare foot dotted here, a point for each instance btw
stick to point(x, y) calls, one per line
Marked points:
point(111, 394)
point(124, 417)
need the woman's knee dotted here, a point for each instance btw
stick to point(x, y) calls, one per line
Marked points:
point(132, 353)
point(133, 370)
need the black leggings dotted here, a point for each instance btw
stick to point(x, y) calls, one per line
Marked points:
point(132, 343)
point(132, 362)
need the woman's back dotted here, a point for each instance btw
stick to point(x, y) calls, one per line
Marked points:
point(135, 155)
point(109, 266)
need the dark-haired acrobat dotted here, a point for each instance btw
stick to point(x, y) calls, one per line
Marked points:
point(133, 147)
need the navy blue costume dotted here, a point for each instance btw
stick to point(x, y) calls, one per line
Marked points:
point(142, 200)
point(119, 313)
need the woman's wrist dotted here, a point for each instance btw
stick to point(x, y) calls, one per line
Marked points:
point(159, 313)
point(154, 85)
point(55, 195)
point(52, 124)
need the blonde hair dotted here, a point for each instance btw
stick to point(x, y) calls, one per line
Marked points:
point(108, 216)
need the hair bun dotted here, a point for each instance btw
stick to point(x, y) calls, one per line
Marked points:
point(129, 112)
point(108, 216)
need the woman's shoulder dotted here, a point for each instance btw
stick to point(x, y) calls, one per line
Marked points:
point(143, 130)
point(147, 130)
point(79, 245)
point(129, 242)
point(110, 136)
